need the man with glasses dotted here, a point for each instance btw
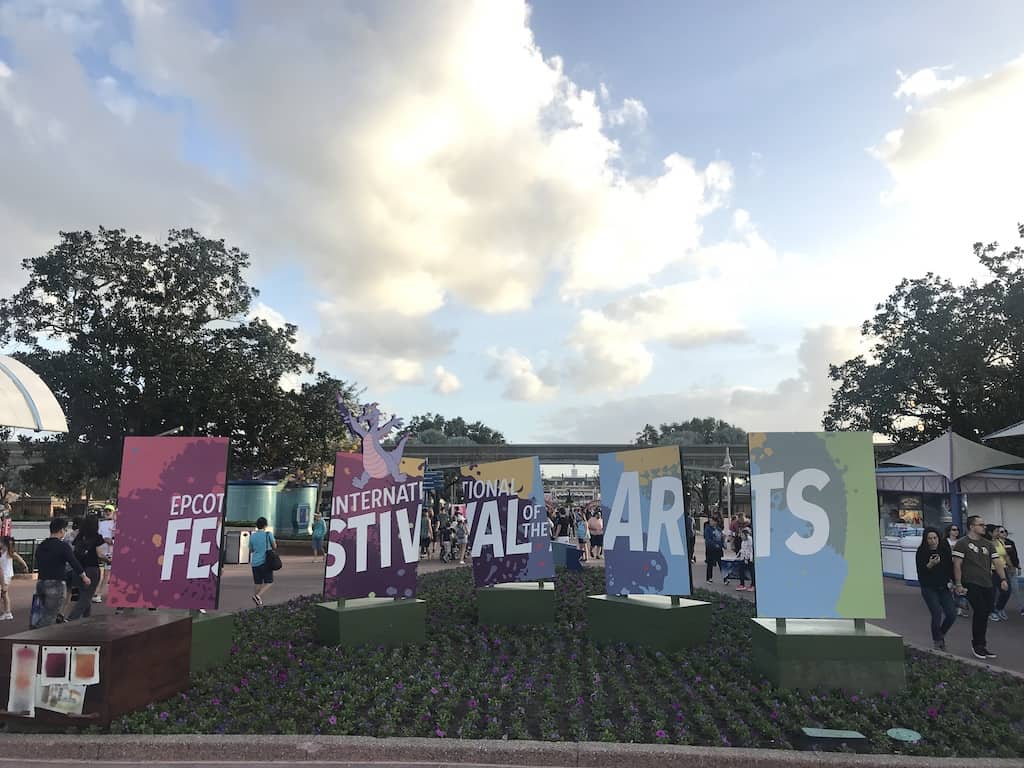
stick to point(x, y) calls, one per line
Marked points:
point(973, 559)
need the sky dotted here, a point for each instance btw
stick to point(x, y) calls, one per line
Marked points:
point(566, 219)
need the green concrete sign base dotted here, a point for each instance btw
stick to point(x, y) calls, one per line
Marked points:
point(212, 637)
point(371, 621)
point(828, 653)
point(516, 603)
point(649, 620)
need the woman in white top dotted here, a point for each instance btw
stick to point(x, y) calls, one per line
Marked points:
point(747, 560)
point(7, 558)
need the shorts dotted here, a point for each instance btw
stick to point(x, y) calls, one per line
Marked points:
point(318, 544)
point(262, 574)
point(597, 539)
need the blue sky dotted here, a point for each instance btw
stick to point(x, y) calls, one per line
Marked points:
point(565, 220)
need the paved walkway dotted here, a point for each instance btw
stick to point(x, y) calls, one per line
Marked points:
point(906, 611)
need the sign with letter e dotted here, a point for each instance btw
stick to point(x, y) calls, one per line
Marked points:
point(815, 518)
point(170, 504)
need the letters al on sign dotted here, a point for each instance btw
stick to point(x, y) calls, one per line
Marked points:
point(815, 518)
point(170, 505)
point(644, 522)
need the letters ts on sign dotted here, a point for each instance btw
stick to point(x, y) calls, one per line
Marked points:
point(815, 519)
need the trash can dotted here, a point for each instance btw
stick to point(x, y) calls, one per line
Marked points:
point(236, 547)
point(892, 560)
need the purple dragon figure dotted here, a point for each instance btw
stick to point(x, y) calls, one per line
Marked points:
point(378, 463)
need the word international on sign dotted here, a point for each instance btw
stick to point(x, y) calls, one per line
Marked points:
point(667, 515)
point(762, 486)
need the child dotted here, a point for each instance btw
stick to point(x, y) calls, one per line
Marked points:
point(461, 535)
point(7, 558)
point(447, 534)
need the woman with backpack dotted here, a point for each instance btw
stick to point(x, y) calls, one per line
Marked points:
point(261, 541)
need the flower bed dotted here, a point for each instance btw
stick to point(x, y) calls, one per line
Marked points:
point(553, 684)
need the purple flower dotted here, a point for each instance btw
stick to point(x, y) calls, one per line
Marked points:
point(215, 701)
point(164, 715)
point(661, 734)
point(434, 691)
point(855, 698)
point(472, 703)
point(399, 687)
point(439, 733)
point(932, 712)
point(332, 720)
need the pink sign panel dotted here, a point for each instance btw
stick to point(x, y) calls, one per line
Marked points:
point(166, 551)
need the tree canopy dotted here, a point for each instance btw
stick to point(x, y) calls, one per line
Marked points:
point(136, 338)
point(435, 429)
point(696, 431)
point(942, 356)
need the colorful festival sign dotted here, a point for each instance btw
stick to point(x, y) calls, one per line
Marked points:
point(815, 519)
point(373, 542)
point(644, 523)
point(166, 551)
point(509, 530)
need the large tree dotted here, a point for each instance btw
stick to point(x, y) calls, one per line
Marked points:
point(136, 338)
point(942, 356)
point(432, 427)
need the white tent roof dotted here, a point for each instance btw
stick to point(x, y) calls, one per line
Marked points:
point(25, 401)
point(953, 457)
point(1015, 430)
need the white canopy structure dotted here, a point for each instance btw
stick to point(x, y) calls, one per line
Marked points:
point(953, 456)
point(26, 402)
point(1016, 430)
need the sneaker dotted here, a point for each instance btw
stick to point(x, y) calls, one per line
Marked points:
point(989, 654)
point(1003, 616)
point(6, 617)
point(982, 654)
point(962, 613)
point(97, 599)
point(939, 645)
point(741, 588)
point(257, 599)
point(994, 616)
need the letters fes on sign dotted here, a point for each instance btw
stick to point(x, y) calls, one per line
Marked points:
point(644, 522)
point(167, 533)
point(815, 517)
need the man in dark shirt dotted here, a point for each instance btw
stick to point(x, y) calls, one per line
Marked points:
point(52, 555)
point(974, 558)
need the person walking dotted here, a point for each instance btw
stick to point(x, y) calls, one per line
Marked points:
point(596, 526)
point(461, 537)
point(583, 535)
point(1007, 552)
point(88, 550)
point(107, 529)
point(52, 555)
point(952, 537)
point(714, 547)
point(261, 542)
point(7, 558)
point(973, 559)
point(319, 534)
point(746, 561)
point(934, 573)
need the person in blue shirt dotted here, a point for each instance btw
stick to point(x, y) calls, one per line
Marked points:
point(319, 534)
point(260, 541)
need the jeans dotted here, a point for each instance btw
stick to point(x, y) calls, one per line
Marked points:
point(940, 602)
point(981, 600)
point(51, 592)
point(83, 607)
point(713, 558)
point(1002, 598)
point(746, 568)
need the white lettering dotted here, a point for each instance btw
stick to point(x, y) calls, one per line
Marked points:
point(335, 550)
point(488, 530)
point(512, 547)
point(626, 495)
point(173, 547)
point(805, 510)
point(668, 518)
point(200, 546)
point(761, 487)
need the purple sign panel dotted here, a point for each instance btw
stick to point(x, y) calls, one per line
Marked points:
point(170, 505)
point(509, 532)
point(373, 543)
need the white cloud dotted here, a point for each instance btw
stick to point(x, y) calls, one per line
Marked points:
point(926, 82)
point(516, 371)
point(956, 164)
point(612, 344)
point(445, 382)
point(413, 154)
point(794, 403)
point(632, 113)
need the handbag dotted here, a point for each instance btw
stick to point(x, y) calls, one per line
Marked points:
point(272, 558)
point(36, 613)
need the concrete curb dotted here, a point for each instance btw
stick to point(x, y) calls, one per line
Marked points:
point(363, 749)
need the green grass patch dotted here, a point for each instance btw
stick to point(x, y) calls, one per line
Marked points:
point(553, 684)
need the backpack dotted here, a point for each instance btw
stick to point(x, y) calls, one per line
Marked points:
point(80, 549)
